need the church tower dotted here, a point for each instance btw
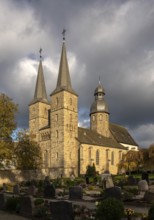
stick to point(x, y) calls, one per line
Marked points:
point(99, 113)
point(39, 106)
point(64, 122)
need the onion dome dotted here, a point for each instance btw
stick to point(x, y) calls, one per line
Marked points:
point(99, 105)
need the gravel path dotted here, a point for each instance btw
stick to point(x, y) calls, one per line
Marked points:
point(8, 216)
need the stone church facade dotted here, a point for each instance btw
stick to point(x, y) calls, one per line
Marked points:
point(66, 148)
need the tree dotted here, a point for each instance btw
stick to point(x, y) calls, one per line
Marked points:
point(132, 160)
point(149, 158)
point(8, 109)
point(27, 153)
point(91, 171)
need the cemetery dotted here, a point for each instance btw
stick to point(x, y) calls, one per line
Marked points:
point(104, 197)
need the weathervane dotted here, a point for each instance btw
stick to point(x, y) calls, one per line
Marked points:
point(63, 33)
point(40, 51)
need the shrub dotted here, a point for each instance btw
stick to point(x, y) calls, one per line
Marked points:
point(151, 212)
point(38, 201)
point(110, 209)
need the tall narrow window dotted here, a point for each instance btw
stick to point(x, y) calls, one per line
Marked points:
point(46, 158)
point(100, 117)
point(57, 100)
point(70, 117)
point(56, 133)
point(112, 158)
point(93, 117)
point(120, 155)
point(97, 157)
point(70, 101)
point(56, 117)
point(89, 155)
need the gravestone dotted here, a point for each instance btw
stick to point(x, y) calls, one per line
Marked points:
point(61, 210)
point(3, 199)
point(49, 191)
point(87, 180)
point(75, 193)
point(4, 187)
point(114, 192)
point(106, 180)
point(32, 190)
point(16, 189)
point(145, 176)
point(27, 206)
point(143, 186)
point(131, 180)
point(149, 197)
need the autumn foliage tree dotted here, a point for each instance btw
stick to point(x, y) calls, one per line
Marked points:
point(8, 109)
point(132, 160)
point(27, 153)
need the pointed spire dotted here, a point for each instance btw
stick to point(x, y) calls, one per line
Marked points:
point(64, 80)
point(40, 89)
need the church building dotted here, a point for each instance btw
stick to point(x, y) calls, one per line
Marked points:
point(66, 148)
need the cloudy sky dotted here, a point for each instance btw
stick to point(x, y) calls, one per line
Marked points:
point(113, 39)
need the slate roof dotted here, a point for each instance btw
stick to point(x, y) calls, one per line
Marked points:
point(40, 89)
point(87, 136)
point(64, 80)
point(121, 134)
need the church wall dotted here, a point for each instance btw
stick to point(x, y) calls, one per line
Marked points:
point(38, 117)
point(105, 162)
point(100, 123)
point(64, 121)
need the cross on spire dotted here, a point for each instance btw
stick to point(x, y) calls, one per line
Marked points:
point(63, 33)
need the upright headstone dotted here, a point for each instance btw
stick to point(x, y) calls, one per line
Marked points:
point(145, 176)
point(49, 191)
point(143, 186)
point(61, 210)
point(131, 180)
point(3, 199)
point(32, 190)
point(16, 189)
point(75, 193)
point(4, 187)
point(114, 192)
point(106, 180)
point(27, 206)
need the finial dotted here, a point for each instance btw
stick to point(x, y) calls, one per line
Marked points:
point(40, 51)
point(63, 33)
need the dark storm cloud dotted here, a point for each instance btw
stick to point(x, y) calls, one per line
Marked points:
point(111, 39)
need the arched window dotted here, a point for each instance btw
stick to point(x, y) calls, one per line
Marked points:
point(97, 157)
point(57, 100)
point(70, 117)
point(112, 158)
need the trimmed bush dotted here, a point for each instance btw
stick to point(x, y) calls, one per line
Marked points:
point(110, 209)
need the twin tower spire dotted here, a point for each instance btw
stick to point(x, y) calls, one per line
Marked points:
point(63, 82)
